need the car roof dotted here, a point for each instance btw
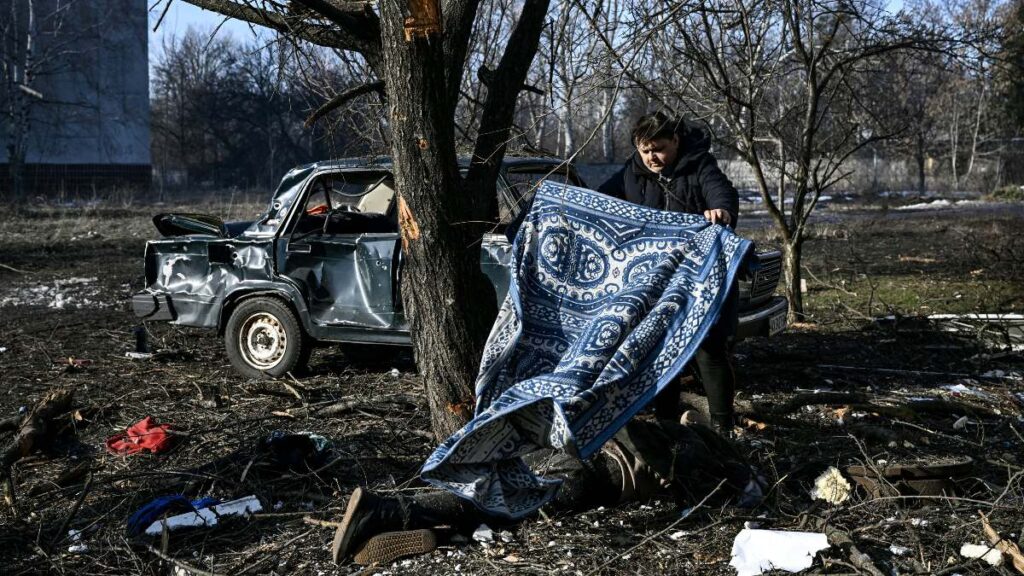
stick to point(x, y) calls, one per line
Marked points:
point(384, 162)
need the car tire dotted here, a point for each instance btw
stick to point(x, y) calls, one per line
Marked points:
point(264, 339)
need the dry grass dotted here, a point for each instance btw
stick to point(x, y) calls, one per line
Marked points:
point(190, 384)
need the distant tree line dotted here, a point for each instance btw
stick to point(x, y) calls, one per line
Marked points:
point(939, 86)
point(228, 113)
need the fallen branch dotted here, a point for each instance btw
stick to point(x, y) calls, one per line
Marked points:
point(13, 269)
point(859, 559)
point(35, 427)
point(1005, 546)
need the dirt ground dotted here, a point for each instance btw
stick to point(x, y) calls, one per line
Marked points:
point(838, 390)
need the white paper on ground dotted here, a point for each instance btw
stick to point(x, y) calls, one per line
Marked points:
point(207, 516)
point(755, 551)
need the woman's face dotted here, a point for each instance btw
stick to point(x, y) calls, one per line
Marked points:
point(658, 153)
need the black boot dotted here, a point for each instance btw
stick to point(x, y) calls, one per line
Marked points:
point(368, 515)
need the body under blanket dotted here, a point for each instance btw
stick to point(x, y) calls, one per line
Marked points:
point(607, 303)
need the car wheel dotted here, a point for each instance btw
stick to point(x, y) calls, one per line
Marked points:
point(264, 338)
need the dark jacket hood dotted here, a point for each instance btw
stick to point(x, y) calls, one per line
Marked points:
point(694, 143)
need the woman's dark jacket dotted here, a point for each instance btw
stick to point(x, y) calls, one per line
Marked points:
point(692, 185)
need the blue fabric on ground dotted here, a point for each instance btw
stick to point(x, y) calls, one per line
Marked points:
point(608, 302)
point(157, 507)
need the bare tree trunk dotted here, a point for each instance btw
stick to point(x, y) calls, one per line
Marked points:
point(608, 130)
point(442, 253)
point(919, 157)
point(791, 256)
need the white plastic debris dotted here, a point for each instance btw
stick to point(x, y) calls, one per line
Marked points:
point(966, 391)
point(960, 423)
point(3, 349)
point(987, 553)
point(207, 516)
point(677, 536)
point(74, 535)
point(483, 533)
point(919, 522)
point(898, 550)
point(78, 548)
point(138, 355)
point(757, 551)
point(831, 487)
point(506, 537)
point(395, 373)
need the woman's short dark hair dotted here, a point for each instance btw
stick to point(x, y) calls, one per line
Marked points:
point(654, 126)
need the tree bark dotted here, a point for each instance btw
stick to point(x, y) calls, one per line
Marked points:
point(791, 256)
point(441, 274)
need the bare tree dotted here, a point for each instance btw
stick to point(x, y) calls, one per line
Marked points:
point(418, 49)
point(25, 58)
point(783, 81)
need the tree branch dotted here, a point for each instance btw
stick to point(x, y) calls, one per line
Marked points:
point(321, 35)
point(342, 98)
point(502, 95)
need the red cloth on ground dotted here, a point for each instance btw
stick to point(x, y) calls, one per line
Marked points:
point(145, 434)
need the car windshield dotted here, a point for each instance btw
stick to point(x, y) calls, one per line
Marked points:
point(522, 181)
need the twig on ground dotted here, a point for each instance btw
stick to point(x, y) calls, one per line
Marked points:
point(13, 269)
point(179, 563)
point(319, 522)
point(61, 532)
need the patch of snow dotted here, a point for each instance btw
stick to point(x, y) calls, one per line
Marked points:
point(64, 293)
point(940, 203)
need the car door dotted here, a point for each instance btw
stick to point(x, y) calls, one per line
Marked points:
point(344, 259)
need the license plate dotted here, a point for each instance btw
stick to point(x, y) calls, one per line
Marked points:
point(777, 323)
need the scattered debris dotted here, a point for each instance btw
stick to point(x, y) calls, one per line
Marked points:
point(157, 507)
point(64, 293)
point(138, 355)
point(483, 533)
point(302, 450)
point(831, 487)
point(960, 389)
point(960, 424)
point(898, 550)
point(757, 551)
point(395, 373)
point(207, 516)
point(146, 434)
point(985, 552)
point(35, 428)
point(912, 478)
point(1007, 547)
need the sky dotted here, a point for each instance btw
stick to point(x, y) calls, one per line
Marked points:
point(180, 16)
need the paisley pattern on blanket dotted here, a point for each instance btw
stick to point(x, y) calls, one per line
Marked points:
point(608, 301)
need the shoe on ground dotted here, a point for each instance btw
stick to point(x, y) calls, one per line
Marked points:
point(387, 547)
point(366, 515)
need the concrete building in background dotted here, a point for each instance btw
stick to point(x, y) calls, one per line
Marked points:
point(86, 120)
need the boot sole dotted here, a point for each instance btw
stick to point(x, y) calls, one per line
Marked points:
point(389, 546)
point(342, 537)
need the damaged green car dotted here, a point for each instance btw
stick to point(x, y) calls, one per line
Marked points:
point(323, 264)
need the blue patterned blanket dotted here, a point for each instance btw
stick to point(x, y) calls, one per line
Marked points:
point(608, 301)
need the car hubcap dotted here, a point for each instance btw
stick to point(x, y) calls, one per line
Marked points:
point(262, 341)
